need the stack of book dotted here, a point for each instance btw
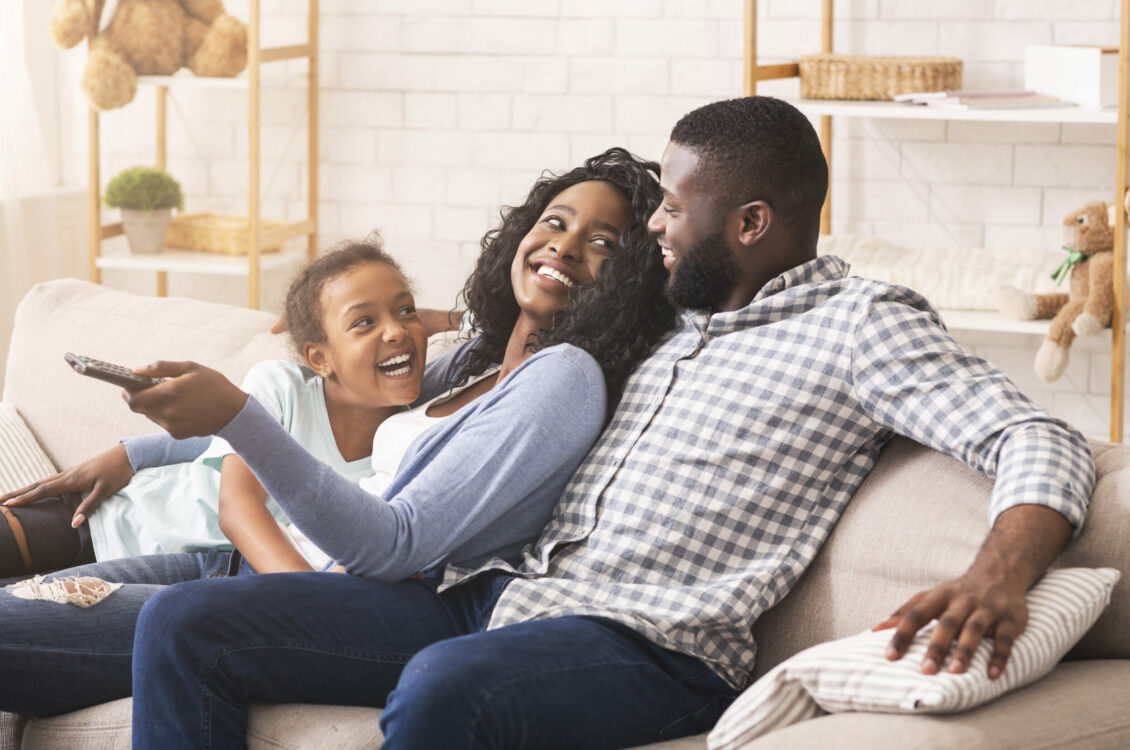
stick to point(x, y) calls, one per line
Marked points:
point(1008, 99)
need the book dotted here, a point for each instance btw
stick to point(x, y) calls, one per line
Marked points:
point(999, 102)
point(918, 97)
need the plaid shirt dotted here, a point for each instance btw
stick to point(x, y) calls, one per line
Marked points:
point(740, 441)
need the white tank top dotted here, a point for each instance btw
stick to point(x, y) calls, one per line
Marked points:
point(390, 442)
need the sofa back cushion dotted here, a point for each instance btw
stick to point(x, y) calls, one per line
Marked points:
point(918, 520)
point(74, 417)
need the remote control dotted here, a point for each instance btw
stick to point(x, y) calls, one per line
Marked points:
point(110, 373)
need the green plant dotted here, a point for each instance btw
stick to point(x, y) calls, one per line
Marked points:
point(144, 188)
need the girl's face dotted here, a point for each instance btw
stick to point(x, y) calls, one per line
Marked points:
point(375, 343)
point(579, 228)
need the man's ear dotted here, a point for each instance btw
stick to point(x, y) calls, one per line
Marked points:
point(756, 217)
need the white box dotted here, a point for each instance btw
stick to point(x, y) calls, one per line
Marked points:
point(1084, 74)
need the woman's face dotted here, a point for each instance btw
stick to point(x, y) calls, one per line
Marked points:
point(375, 343)
point(579, 228)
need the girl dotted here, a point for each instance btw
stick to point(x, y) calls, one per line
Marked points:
point(354, 323)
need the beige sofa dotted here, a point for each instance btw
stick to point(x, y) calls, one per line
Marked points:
point(917, 520)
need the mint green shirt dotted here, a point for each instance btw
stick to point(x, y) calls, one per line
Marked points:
point(176, 508)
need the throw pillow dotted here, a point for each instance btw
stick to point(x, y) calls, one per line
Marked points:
point(852, 674)
point(22, 461)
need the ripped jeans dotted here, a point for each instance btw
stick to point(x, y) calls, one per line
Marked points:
point(61, 657)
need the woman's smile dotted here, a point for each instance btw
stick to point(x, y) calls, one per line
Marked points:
point(553, 274)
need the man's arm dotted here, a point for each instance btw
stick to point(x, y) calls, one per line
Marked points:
point(915, 380)
point(988, 601)
point(438, 321)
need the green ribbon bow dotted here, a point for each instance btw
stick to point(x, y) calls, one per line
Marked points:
point(1073, 257)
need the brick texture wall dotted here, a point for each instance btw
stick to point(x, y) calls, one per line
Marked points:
point(436, 113)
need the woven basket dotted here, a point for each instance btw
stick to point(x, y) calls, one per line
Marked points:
point(878, 78)
point(216, 233)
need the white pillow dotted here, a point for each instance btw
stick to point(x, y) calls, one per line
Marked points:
point(22, 461)
point(852, 674)
point(954, 278)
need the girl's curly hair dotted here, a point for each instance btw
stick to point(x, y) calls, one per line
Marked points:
point(618, 318)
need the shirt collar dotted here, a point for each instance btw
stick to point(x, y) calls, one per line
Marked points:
point(816, 271)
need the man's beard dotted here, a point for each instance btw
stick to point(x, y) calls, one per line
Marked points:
point(703, 276)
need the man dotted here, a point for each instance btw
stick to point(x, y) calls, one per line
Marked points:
point(733, 452)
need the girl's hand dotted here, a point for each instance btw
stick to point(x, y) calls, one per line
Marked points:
point(194, 401)
point(99, 477)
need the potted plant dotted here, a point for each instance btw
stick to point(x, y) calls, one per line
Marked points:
point(147, 197)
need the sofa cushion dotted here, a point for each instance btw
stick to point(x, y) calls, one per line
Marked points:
point(272, 727)
point(22, 461)
point(1079, 705)
point(852, 674)
point(74, 417)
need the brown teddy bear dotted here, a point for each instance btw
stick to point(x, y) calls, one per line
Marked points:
point(148, 37)
point(1088, 237)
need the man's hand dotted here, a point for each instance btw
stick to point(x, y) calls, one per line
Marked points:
point(988, 601)
point(99, 477)
point(195, 401)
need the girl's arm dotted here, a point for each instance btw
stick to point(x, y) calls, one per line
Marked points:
point(107, 473)
point(245, 520)
point(162, 449)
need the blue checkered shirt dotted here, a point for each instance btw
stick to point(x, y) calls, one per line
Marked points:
point(739, 443)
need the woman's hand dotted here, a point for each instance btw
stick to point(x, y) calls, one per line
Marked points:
point(194, 401)
point(99, 477)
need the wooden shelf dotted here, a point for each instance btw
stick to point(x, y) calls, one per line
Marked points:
point(984, 320)
point(188, 261)
point(900, 111)
point(186, 80)
point(253, 80)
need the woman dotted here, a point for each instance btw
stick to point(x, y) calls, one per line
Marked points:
point(570, 277)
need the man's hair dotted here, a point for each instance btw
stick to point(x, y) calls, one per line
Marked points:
point(303, 306)
point(759, 148)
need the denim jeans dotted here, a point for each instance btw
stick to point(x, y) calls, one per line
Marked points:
point(205, 650)
point(61, 657)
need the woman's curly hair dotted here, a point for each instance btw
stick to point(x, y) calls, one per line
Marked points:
point(618, 318)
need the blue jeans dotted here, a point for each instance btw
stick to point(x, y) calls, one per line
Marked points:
point(205, 650)
point(60, 657)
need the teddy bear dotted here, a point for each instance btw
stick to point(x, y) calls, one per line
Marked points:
point(1088, 237)
point(148, 37)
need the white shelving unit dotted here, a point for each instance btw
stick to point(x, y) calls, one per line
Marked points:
point(900, 111)
point(253, 80)
point(966, 319)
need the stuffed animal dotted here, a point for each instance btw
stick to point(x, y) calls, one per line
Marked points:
point(148, 37)
point(1088, 237)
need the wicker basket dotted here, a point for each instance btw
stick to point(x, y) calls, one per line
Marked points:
point(880, 78)
point(216, 233)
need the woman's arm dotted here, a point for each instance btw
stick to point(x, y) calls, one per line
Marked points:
point(485, 481)
point(245, 520)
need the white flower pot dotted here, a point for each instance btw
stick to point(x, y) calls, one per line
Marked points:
point(146, 230)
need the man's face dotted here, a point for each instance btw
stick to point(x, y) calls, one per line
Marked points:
point(689, 229)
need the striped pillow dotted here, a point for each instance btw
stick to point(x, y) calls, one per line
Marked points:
point(22, 461)
point(852, 674)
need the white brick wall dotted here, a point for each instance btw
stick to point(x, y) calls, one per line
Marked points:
point(433, 114)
